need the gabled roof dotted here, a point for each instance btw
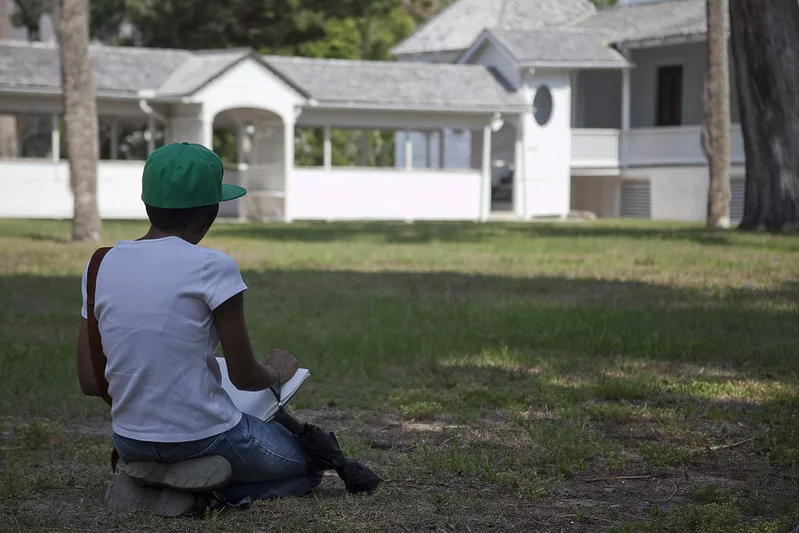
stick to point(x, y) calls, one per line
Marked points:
point(199, 69)
point(554, 48)
point(388, 84)
point(457, 27)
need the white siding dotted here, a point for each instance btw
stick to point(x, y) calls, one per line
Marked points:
point(679, 193)
point(491, 56)
point(693, 58)
point(40, 189)
point(249, 85)
point(383, 194)
point(546, 186)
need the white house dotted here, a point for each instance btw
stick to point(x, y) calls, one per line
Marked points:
point(627, 86)
point(577, 108)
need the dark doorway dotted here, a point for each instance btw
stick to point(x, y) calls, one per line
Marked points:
point(669, 96)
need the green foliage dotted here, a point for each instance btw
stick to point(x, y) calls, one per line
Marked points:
point(354, 29)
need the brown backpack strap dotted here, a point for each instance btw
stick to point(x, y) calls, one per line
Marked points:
point(95, 340)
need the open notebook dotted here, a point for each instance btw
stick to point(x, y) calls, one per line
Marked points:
point(262, 404)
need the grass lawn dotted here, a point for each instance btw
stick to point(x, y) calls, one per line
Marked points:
point(613, 377)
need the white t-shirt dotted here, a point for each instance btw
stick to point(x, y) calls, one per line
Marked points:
point(153, 304)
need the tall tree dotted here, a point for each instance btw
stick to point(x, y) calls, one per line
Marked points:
point(716, 125)
point(72, 29)
point(8, 123)
point(765, 47)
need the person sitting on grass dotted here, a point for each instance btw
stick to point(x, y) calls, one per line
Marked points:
point(163, 305)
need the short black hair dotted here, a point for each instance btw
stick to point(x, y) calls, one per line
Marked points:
point(180, 219)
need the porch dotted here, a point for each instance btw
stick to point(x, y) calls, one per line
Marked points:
point(641, 147)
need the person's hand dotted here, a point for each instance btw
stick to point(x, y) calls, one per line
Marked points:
point(284, 362)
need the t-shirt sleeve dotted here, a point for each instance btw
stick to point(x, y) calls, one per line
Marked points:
point(221, 279)
point(83, 311)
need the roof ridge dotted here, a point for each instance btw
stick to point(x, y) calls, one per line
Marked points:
point(638, 5)
point(421, 26)
point(372, 62)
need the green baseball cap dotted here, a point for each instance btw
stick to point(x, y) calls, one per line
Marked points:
point(184, 175)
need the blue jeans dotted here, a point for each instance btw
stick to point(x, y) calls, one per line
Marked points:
point(266, 459)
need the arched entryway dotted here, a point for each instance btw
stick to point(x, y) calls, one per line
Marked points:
point(252, 142)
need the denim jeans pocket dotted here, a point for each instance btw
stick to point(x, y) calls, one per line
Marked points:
point(188, 450)
point(134, 450)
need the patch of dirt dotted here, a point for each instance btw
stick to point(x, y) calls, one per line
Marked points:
point(93, 427)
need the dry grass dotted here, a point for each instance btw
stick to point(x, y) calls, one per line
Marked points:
point(594, 377)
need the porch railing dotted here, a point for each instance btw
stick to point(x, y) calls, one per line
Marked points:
point(595, 148)
point(601, 148)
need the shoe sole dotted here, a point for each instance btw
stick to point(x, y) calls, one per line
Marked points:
point(124, 494)
point(201, 474)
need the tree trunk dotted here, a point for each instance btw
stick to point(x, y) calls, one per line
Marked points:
point(765, 46)
point(9, 146)
point(716, 125)
point(72, 29)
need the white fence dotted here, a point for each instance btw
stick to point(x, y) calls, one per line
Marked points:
point(37, 188)
point(384, 194)
point(600, 148)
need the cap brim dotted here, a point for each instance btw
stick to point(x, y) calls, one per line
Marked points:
point(231, 192)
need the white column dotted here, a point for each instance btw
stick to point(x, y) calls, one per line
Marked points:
point(55, 139)
point(150, 135)
point(485, 196)
point(518, 179)
point(241, 134)
point(328, 150)
point(288, 166)
point(408, 151)
point(575, 75)
point(428, 136)
point(442, 150)
point(364, 148)
point(207, 132)
point(114, 140)
point(625, 118)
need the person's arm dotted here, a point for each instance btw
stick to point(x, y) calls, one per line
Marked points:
point(86, 377)
point(244, 371)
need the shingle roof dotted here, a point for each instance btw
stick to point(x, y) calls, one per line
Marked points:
point(120, 71)
point(577, 49)
point(199, 69)
point(392, 84)
point(123, 72)
point(458, 26)
point(650, 21)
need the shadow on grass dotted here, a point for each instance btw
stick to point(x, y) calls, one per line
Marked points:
point(369, 337)
point(424, 232)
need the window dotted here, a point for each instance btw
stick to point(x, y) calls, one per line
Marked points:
point(542, 105)
point(669, 96)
